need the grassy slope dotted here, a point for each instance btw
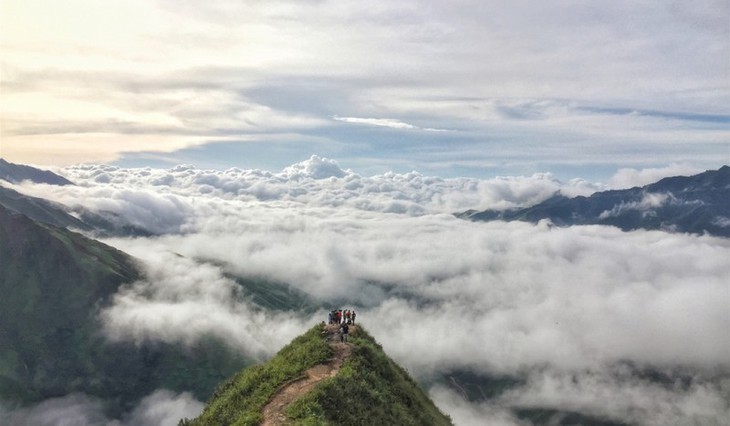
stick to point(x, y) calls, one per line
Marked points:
point(53, 283)
point(52, 280)
point(369, 389)
point(240, 400)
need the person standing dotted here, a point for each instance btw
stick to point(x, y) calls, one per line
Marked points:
point(345, 330)
point(353, 316)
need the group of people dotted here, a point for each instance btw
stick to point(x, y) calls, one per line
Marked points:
point(344, 319)
point(338, 316)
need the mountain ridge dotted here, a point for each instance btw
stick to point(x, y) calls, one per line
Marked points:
point(343, 383)
point(16, 173)
point(54, 283)
point(698, 204)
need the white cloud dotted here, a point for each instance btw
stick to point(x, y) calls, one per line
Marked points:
point(181, 300)
point(624, 397)
point(384, 122)
point(161, 408)
point(465, 413)
point(75, 409)
point(536, 302)
point(649, 201)
point(627, 178)
point(82, 82)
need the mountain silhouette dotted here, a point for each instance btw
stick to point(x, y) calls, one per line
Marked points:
point(17, 173)
point(698, 204)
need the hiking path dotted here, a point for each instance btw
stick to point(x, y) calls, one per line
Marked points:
point(274, 411)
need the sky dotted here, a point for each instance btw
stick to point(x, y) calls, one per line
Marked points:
point(624, 326)
point(452, 89)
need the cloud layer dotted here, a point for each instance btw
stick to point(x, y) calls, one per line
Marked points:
point(578, 316)
point(161, 408)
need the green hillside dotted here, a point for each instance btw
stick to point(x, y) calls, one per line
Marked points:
point(357, 384)
point(53, 284)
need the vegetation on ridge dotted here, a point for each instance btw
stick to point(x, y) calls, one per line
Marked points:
point(240, 400)
point(370, 388)
point(54, 283)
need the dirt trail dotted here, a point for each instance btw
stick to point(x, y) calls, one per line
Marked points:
point(274, 410)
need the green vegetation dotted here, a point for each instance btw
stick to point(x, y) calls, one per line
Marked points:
point(276, 296)
point(370, 388)
point(53, 284)
point(240, 400)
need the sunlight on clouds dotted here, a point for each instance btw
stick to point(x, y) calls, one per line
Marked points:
point(89, 147)
point(482, 70)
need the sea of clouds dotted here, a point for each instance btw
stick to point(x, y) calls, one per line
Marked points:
point(576, 314)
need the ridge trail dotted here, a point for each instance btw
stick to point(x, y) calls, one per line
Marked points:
point(274, 410)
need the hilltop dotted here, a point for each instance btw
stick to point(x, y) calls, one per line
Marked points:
point(316, 379)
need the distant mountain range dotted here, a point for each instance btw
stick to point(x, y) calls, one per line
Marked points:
point(41, 210)
point(17, 173)
point(698, 204)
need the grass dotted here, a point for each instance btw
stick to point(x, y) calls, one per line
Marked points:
point(53, 284)
point(370, 388)
point(240, 400)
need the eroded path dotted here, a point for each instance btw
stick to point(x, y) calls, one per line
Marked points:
point(274, 410)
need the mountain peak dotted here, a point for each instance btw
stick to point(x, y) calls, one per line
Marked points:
point(317, 379)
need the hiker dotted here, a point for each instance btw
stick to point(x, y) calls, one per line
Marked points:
point(353, 316)
point(330, 318)
point(345, 330)
point(347, 316)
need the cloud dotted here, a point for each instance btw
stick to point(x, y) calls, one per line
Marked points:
point(628, 178)
point(632, 400)
point(178, 200)
point(315, 168)
point(548, 306)
point(385, 122)
point(98, 89)
point(75, 409)
point(648, 203)
point(465, 413)
point(182, 300)
point(161, 408)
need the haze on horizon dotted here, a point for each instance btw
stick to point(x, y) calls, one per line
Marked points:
point(467, 88)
